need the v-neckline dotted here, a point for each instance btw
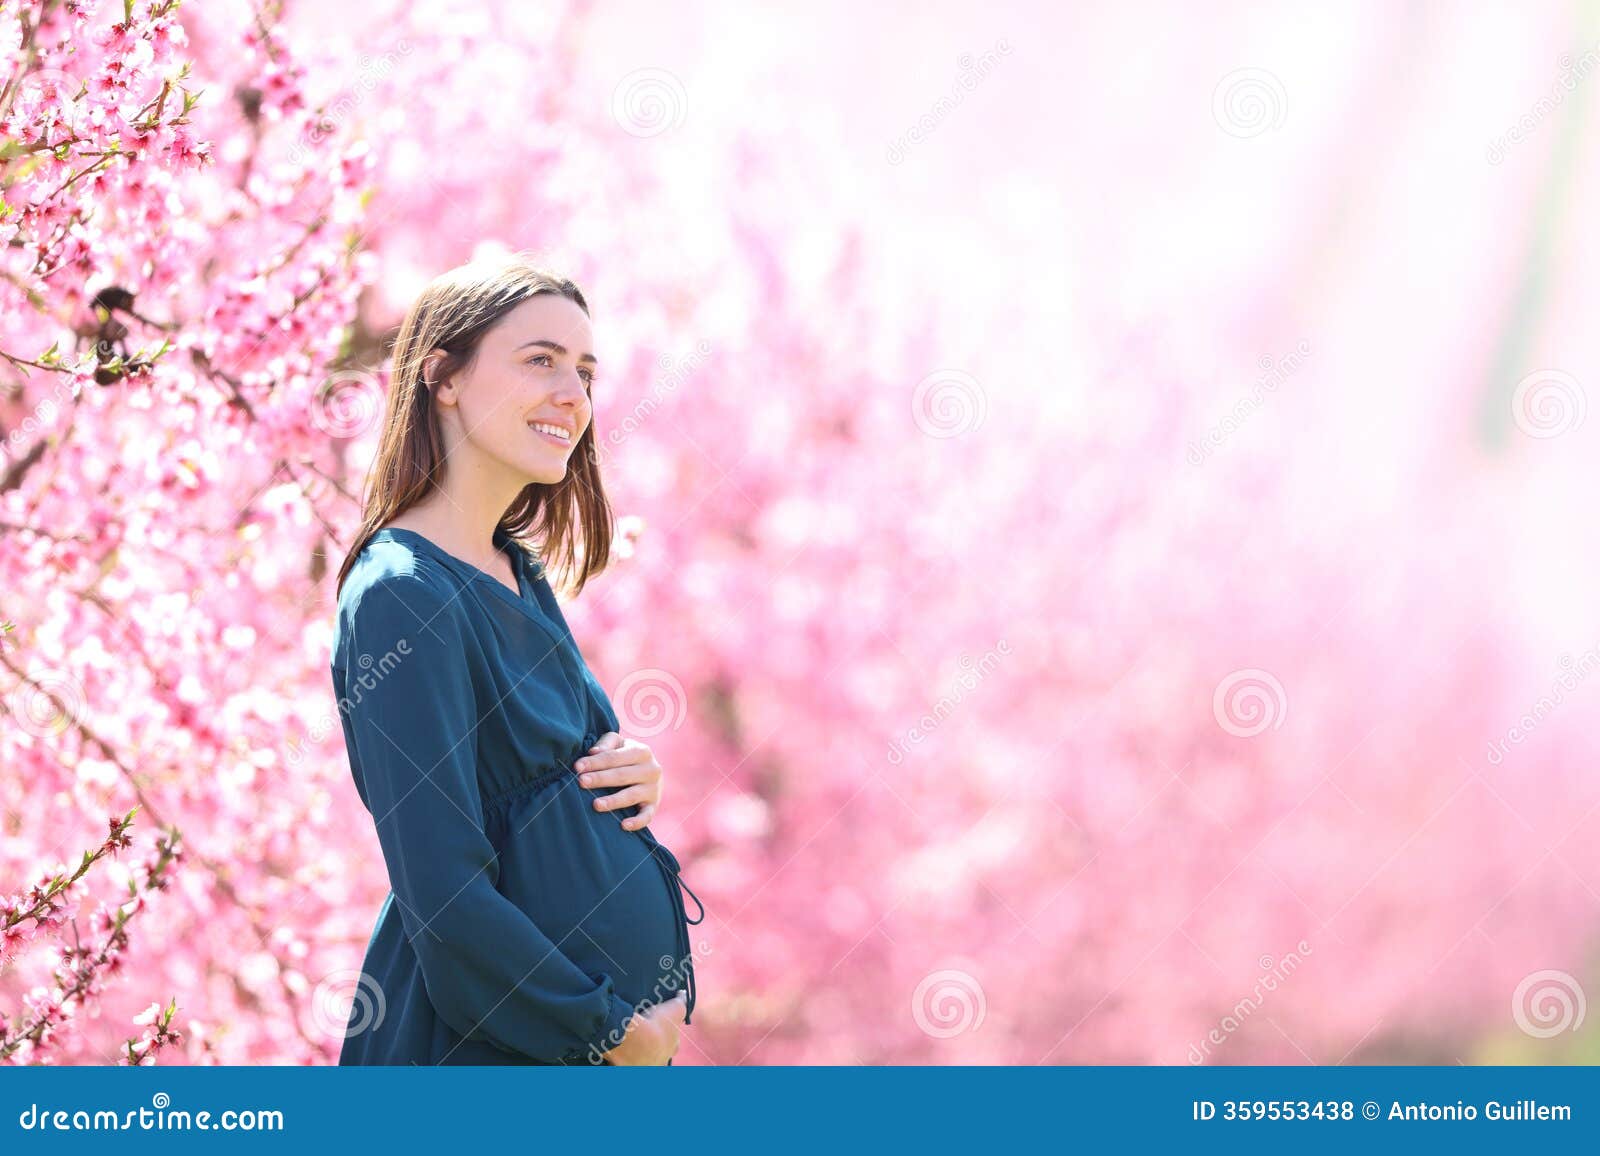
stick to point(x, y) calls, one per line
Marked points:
point(526, 601)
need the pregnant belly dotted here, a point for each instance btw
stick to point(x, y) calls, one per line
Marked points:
point(593, 888)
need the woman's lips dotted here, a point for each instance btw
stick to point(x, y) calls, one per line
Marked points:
point(552, 439)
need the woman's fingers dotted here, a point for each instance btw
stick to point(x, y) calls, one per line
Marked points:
point(611, 755)
point(670, 1011)
point(625, 775)
point(674, 1011)
point(629, 765)
point(628, 798)
point(605, 752)
point(666, 1019)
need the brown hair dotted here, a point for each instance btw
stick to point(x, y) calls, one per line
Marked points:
point(452, 314)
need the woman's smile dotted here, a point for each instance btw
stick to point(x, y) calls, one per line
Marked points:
point(553, 432)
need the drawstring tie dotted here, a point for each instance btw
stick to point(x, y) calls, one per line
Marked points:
point(671, 872)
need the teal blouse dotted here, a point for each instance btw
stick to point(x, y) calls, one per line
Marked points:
point(522, 926)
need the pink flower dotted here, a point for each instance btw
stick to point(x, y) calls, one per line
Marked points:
point(188, 152)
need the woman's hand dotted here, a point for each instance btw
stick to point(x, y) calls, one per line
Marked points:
point(652, 1035)
point(618, 762)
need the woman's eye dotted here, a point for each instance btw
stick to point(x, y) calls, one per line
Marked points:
point(586, 374)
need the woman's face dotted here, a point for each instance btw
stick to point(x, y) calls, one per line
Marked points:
point(529, 381)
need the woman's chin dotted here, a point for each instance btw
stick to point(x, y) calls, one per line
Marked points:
point(544, 471)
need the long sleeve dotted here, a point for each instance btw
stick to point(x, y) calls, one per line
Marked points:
point(410, 719)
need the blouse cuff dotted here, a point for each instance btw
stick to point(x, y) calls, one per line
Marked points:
point(607, 1031)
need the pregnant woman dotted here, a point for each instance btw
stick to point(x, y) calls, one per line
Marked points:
point(533, 917)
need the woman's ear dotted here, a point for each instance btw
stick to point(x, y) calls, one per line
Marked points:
point(445, 391)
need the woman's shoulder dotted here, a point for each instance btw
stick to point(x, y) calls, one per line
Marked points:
point(390, 578)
